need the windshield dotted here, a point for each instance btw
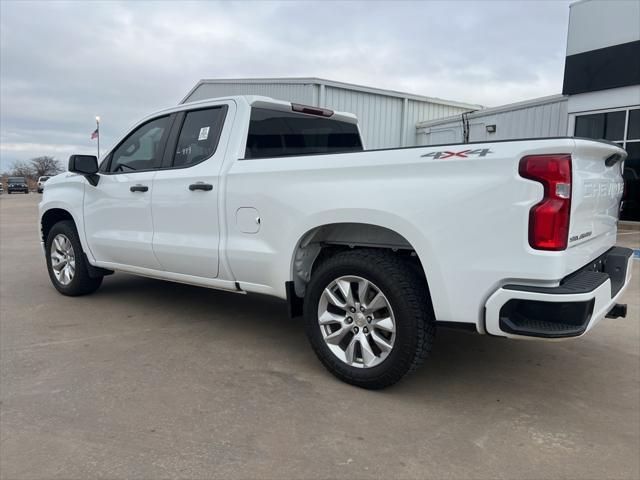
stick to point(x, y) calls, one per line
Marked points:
point(44, 179)
point(17, 180)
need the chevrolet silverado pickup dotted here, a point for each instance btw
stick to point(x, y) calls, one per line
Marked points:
point(373, 248)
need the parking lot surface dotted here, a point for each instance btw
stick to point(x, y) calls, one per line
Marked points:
point(147, 379)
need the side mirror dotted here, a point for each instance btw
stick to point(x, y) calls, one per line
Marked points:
point(83, 164)
point(86, 165)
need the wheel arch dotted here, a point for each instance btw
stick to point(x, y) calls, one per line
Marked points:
point(57, 211)
point(52, 216)
point(324, 239)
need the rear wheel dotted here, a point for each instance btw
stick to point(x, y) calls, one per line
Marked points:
point(368, 317)
point(66, 262)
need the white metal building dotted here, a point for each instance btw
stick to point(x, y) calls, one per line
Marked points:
point(602, 65)
point(387, 118)
point(538, 118)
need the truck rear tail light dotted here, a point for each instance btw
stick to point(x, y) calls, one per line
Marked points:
point(549, 219)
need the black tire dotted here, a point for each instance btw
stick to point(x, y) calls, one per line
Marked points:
point(409, 298)
point(82, 283)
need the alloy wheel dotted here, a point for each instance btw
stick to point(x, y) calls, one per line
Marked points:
point(63, 259)
point(356, 321)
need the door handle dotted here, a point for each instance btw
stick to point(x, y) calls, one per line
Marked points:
point(139, 188)
point(207, 187)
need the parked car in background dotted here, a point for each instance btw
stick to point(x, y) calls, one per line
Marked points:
point(17, 184)
point(376, 249)
point(1, 188)
point(41, 181)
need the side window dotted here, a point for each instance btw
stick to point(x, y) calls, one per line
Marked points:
point(199, 136)
point(143, 149)
point(275, 133)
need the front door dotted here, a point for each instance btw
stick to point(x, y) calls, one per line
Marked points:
point(117, 211)
point(185, 193)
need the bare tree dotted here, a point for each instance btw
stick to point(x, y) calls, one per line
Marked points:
point(22, 168)
point(45, 166)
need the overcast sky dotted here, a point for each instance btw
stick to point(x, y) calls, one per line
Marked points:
point(63, 63)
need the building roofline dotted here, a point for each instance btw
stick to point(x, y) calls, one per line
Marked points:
point(333, 83)
point(491, 111)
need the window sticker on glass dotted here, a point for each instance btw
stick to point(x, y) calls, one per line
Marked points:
point(204, 133)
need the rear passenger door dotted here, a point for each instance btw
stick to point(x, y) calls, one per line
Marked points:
point(186, 192)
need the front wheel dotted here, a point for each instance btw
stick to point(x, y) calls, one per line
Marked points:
point(66, 262)
point(368, 317)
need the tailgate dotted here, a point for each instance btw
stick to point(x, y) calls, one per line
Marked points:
point(597, 188)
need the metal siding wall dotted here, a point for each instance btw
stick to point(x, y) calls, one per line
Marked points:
point(380, 117)
point(422, 112)
point(549, 120)
point(537, 121)
point(292, 92)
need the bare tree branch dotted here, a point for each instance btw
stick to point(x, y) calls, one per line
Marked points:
point(21, 168)
point(45, 166)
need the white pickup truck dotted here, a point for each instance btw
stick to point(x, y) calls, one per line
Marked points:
point(374, 248)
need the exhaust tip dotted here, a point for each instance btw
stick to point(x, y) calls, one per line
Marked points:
point(618, 310)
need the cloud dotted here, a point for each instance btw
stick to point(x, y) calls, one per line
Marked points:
point(63, 63)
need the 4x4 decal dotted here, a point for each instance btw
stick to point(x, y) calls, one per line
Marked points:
point(480, 152)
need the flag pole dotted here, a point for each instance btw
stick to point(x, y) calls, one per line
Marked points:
point(98, 130)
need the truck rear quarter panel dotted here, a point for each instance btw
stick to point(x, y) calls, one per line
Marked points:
point(466, 216)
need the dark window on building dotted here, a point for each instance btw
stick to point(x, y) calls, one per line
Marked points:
point(608, 126)
point(632, 164)
point(633, 130)
point(274, 133)
point(631, 198)
point(611, 126)
point(199, 136)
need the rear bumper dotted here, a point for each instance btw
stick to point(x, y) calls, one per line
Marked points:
point(569, 310)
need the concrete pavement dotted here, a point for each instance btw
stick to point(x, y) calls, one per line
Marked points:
point(147, 379)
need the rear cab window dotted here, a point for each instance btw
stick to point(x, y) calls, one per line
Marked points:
point(276, 133)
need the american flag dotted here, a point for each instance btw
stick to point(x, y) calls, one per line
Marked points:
point(94, 134)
